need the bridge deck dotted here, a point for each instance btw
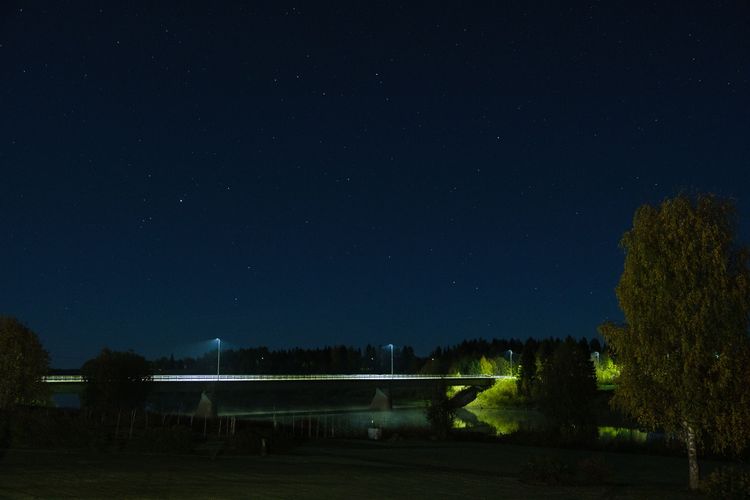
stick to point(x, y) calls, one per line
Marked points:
point(448, 379)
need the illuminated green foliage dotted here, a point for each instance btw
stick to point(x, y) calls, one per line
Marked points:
point(682, 351)
point(480, 365)
point(502, 366)
point(499, 422)
point(607, 371)
point(502, 393)
point(486, 367)
point(622, 434)
point(23, 363)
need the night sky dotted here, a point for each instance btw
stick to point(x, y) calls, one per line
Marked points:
point(315, 173)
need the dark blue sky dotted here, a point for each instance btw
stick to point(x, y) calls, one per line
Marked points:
point(310, 174)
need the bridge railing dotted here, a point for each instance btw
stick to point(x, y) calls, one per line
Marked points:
point(270, 378)
point(62, 378)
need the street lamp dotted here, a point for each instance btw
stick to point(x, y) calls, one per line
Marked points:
point(218, 357)
point(391, 346)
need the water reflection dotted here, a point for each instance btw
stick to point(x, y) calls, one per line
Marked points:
point(342, 421)
point(610, 434)
point(496, 421)
point(489, 421)
point(502, 422)
point(339, 422)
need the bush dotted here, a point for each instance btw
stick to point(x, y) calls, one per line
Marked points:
point(728, 483)
point(51, 428)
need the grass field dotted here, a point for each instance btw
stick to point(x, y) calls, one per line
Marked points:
point(331, 469)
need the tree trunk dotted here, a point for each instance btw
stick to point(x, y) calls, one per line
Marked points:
point(692, 456)
point(117, 427)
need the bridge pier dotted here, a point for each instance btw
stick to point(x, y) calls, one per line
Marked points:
point(206, 407)
point(382, 400)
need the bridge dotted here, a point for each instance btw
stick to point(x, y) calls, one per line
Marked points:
point(210, 388)
point(372, 379)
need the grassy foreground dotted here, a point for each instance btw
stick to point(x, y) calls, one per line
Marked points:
point(331, 469)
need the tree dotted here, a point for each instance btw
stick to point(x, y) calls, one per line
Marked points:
point(440, 412)
point(685, 295)
point(116, 381)
point(595, 346)
point(566, 391)
point(485, 366)
point(23, 363)
point(527, 369)
point(409, 360)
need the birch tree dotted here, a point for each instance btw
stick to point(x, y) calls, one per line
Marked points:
point(682, 350)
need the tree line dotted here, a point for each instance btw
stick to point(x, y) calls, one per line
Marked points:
point(470, 357)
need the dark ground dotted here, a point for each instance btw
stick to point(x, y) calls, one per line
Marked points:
point(333, 469)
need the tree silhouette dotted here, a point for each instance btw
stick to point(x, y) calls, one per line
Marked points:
point(527, 370)
point(116, 381)
point(23, 363)
point(566, 391)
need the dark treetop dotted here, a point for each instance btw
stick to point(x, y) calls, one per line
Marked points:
point(310, 174)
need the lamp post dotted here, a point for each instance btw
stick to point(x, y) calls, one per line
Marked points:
point(391, 346)
point(218, 358)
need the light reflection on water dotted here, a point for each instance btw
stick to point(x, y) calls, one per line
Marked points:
point(608, 434)
point(346, 421)
point(495, 422)
point(489, 421)
point(498, 422)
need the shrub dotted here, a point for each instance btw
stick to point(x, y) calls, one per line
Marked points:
point(51, 428)
point(728, 483)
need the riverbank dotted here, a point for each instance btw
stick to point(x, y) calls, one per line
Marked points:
point(337, 469)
